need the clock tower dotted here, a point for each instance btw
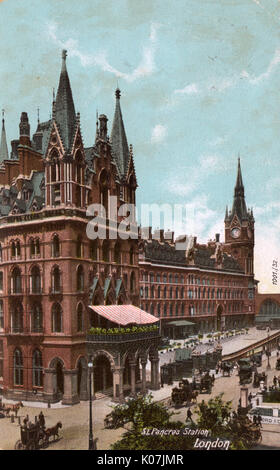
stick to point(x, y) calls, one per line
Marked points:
point(239, 228)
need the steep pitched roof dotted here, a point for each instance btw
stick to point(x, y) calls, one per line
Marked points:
point(239, 207)
point(4, 154)
point(65, 115)
point(118, 139)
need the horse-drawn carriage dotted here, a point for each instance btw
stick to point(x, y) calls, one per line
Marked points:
point(257, 359)
point(245, 371)
point(31, 438)
point(35, 436)
point(183, 393)
point(226, 368)
point(206, 383)
point(258, 378)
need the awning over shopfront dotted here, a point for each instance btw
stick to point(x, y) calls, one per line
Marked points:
point(124, 314)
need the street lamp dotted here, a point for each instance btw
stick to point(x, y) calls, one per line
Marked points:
point(91, 441)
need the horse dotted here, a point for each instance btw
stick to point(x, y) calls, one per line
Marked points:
point(194, 395)
point(53, 431)
point(12, 407)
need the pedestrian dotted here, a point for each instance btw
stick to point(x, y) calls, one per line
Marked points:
point(250, 396)
point(161, 381)
point(259, 421)
point(189, 415)
point(42, 420)
point(275, 381)
point(255, 420)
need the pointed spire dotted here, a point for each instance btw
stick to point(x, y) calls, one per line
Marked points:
point(65, 115)
point(118, 138)
point(239, 205)
point(4, 154)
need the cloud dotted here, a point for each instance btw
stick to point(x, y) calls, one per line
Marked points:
point(189, 89)
point(219, 85)
point(159, 133)
point(145, 68)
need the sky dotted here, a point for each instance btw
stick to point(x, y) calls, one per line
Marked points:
point(200, 84)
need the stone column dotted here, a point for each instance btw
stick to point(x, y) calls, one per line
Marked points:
point(84, 384)
point(133, 378)
point(49, 385)
point(70, 396)
point(118, 384)
point(155, 374)
point(143, 364)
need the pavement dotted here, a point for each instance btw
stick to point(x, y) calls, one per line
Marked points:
point(75, 419)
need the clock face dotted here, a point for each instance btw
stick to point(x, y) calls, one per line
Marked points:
point(235, 232)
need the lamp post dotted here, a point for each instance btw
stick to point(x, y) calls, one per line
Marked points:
point(91, 442)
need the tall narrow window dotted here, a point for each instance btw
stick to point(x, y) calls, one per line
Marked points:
point(80, 279)
point(56, 318)
point(1, 315)
point(80, 318)
point(18, 367)
point(37, 369)
point(55, 247)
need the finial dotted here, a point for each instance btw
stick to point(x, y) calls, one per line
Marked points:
point(118, 93)
point(3, 115)
point(64, 54)
point(38, 115)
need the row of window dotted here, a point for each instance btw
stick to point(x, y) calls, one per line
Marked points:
point(37, 368)
point(36, 318)
point(34, 246)
point(190, 279)
point(198, 293)
point(182, 309)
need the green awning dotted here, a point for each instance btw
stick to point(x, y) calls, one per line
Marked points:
point(180, 323)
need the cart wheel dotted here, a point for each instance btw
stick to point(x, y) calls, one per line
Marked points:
point(19, 445)
point(31, 446)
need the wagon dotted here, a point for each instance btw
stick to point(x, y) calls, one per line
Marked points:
point(31, 438)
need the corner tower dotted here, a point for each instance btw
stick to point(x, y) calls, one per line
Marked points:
point(239, 228)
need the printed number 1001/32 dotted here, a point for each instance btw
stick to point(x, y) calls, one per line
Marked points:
point(274, 272)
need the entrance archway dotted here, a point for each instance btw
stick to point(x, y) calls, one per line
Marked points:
point(59, 379)
point(219, 315)
point(103, 377)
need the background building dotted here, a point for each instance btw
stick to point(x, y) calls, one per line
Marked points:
point(211, 285)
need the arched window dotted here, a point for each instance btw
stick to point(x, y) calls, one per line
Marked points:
point(13, 250)
point(105, 251)
point(17, 249)
point(117, 253)
point(32, 248)
point(171, 310)
point(80, 317)
point(158, 309)
point(36, 318)
point(35, 280)
point(93, 249)
point(103, 181)
point(176, 309)
point(17, 318)
point(182, 292)
point(158, 292)
point(56, 318)
point(152, 309)
point(56, 287)
point(80, 279)
point(132, 282)
point(182, 309)
point(1, 315)
point(55, 247)
point(16, 281)
point(18, 367)
point(37, 369)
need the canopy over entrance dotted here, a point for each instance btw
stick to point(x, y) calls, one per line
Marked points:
point(124, 314)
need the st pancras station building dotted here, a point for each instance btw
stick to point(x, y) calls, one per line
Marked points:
point(67, 298)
